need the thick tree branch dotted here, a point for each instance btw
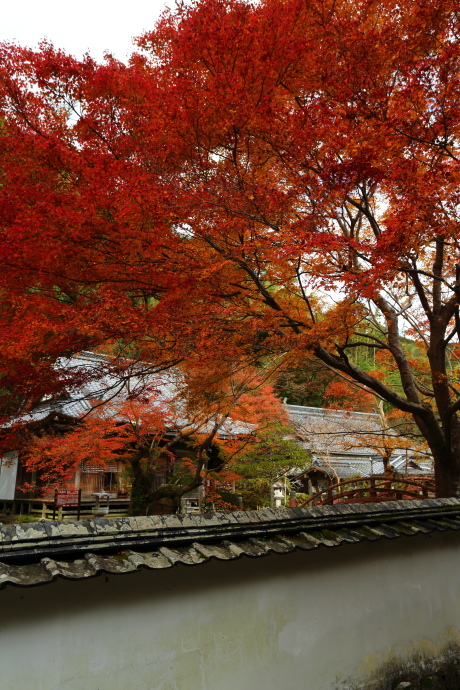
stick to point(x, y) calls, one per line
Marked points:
point(394, 344)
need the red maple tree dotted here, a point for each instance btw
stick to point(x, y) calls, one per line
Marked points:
point(254, 183)
point(213, 418)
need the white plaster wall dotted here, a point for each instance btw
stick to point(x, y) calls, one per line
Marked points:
point(8, 472)
point(306, 620)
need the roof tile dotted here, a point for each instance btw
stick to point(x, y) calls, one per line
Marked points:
point(29, 554)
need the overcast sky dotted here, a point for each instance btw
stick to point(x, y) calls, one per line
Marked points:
point(92, 26)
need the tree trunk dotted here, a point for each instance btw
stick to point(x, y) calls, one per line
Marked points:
point(447, 468)
point(147, 500)
point(447, 477)
point(140, 491)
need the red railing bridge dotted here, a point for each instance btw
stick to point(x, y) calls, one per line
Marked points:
point(373, 489)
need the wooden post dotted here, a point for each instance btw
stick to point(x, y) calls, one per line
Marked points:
point(372, 491)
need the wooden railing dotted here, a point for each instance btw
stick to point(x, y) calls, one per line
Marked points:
point(373, 489)
point(43, 508)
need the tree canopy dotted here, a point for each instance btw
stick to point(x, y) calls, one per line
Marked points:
point(269, 180)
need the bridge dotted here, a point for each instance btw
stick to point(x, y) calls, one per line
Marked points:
point(373, 489)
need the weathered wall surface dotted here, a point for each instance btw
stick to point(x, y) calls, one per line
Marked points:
point(357, 616)
point(8, 472)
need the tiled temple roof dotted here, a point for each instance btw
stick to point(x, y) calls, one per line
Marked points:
point(109, 387)
point(38, 553)
point(324, 430)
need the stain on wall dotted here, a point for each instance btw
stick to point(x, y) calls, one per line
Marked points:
point(420, 665)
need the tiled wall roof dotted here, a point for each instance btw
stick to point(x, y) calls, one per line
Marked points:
point(38, 553)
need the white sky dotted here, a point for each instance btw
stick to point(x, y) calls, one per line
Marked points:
point(92, 26)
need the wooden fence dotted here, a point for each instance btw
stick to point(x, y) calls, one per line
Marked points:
point(42, 509)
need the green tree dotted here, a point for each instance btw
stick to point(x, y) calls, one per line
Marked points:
point(266, 462)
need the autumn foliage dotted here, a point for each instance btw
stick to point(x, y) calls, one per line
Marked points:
point(256, 185)
point(216, 421)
